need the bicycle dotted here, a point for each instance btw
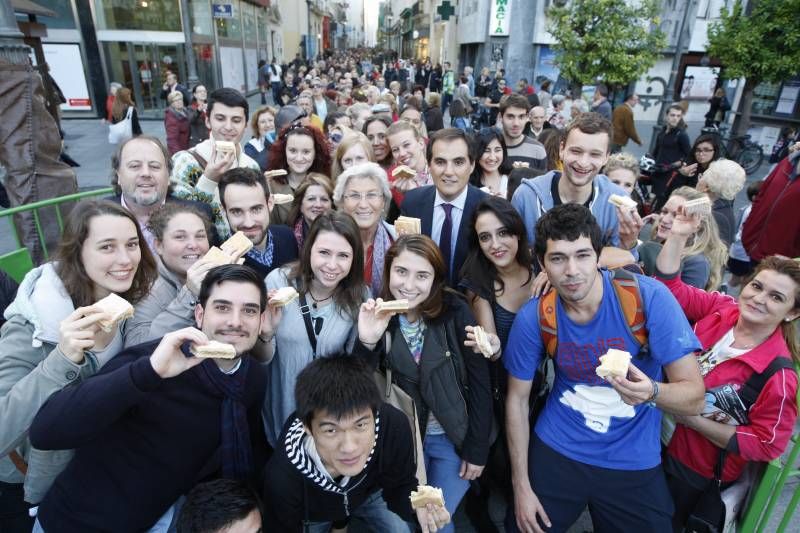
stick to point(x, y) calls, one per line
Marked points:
point(739, 148)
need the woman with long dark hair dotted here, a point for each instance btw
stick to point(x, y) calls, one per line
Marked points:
point(298, 150)
point(491, 172)
point(704, 150)
point(330, 279)
point(53, 336)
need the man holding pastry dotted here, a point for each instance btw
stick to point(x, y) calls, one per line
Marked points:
point(196, 172)
point(161, 416)
point(596, 441)
point(345, 456)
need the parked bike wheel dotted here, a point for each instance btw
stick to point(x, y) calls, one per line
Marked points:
point(750, 158)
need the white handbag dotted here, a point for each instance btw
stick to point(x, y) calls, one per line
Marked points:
point(122, 130)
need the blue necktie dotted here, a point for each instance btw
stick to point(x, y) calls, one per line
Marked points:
point(446, 238)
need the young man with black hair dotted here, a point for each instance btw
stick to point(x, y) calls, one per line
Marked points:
point(155, 420)
point(220, 506)
point(196, 172)
point(344, 454)
point(521, 148)
point(247, 202)
point(596, 442)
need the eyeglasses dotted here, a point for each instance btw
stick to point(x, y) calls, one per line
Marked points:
point(704, 150)
point(355, 197)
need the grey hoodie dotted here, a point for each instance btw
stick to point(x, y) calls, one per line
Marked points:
point(533, 198)
point(31, 369)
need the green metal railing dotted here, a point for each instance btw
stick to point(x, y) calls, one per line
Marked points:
point(50, 202)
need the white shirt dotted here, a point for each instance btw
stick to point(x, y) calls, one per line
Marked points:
point(455, 216)
point(274, 78)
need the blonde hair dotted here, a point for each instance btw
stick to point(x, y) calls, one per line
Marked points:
point(706, 241)
point(724, 178)
point(389, 99)
point(434, 99)
point(622, 161)
point(351, 139)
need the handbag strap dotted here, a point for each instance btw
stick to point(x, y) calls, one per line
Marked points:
point(718, 468)
point(129, 114)
point(306, 312)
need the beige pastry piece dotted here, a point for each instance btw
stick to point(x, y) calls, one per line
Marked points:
point(117, 308)
point(236, 246)
point(403, 172)
point(215, 255)
point(225, 147)
point(214, 350)
point(700, 206)
point(424, 495)
point(482, 340)
point(283, 296)
point(614, 363)
point(408, 226)
point(393, 305)
point(280, 199)
point(520, 164)
point(623, 202)
point(274, 173)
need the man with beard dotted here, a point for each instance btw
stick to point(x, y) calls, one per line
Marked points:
point(141, 167)
point(596, 442)
point(155, 420)
point(247, 203)
point(584, 151)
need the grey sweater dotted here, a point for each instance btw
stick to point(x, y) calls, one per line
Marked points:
point(292, 351)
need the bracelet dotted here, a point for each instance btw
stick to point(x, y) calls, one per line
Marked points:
point(652, 399)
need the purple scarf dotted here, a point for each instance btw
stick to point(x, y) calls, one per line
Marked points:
point(380, 244)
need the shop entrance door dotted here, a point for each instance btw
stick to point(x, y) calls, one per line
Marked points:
point(143, 67)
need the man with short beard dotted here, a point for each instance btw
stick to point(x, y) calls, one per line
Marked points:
point(140, 175)
point(584, 152)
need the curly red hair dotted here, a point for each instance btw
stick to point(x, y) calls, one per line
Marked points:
point(322, 156)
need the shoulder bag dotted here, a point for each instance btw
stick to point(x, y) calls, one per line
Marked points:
point(122, 130)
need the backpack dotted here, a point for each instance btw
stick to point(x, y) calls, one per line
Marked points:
point(626, 289)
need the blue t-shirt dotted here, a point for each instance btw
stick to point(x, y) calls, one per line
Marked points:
point(584, 417)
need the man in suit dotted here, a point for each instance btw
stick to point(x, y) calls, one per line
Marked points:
point(141, 167)
point(445, 208)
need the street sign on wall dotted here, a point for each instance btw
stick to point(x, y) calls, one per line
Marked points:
point(499, 18)
point(222, 11)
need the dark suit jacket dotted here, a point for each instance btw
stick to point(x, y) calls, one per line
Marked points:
point(418, 203)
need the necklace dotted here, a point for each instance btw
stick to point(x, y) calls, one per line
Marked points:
point(318, 301)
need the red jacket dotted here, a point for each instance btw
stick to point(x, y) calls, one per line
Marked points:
point(773, 415)
point(178, 128)
point(773, 226)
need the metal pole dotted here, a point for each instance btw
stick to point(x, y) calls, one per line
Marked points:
point(669, 90)
point(187, 44)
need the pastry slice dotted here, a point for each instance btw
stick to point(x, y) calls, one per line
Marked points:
point(424, 495)
point(214, 350)
point(614, 363)
point(117, 308)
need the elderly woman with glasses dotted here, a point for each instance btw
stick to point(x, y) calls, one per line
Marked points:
point(362, 191)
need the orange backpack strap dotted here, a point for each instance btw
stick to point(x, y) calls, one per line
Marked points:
point(626, 287)
point(547, 322)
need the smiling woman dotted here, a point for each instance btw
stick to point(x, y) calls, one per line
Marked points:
point(52, 337)
point(329, 279)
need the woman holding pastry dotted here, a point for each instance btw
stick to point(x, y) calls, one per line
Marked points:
point(756, 334)
point(703, 259)
point(181, 240)
point(297, 151)
point(314, 197)
point(411, 164)
point(433, 356)
point(362, 192)
point(59, 333)
point(321, 321)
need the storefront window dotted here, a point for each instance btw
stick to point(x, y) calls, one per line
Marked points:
point(200, 11)
point(249, 19)
point(151, 15)
point(231, 28)
point(765, 95)
point(263, 37)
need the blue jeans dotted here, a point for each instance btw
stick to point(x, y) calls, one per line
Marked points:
point(373, 515)
point(446, 100)
point(442, 464)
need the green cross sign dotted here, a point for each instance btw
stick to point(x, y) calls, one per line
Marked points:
point(446, 10)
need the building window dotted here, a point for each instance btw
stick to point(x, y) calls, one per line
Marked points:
point(64, 20)
point(152, 15)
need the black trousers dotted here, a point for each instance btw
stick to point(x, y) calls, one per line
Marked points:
point(13, 509)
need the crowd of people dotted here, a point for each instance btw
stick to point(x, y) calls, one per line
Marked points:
point(521, 232)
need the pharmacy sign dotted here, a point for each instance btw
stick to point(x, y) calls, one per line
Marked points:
point(499, 18)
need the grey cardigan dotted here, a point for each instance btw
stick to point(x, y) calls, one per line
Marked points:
point(292, 352)
point(168, 307)
point(31, 369)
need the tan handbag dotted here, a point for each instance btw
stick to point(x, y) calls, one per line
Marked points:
point(397, 397)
